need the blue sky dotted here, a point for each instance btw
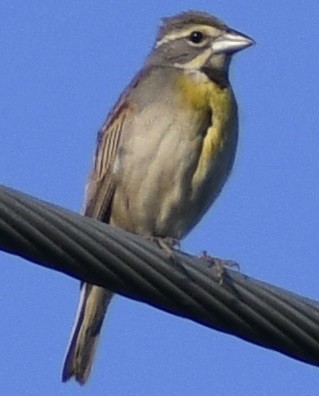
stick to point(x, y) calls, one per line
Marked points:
point(61, 68)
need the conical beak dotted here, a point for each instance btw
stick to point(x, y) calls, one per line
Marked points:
point(231, 42)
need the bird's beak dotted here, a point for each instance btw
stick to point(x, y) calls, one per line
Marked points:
point(231, 42)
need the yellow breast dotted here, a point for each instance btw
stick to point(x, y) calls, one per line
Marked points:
point(203, 94)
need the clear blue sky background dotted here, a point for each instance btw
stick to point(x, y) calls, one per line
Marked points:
point(62, 65)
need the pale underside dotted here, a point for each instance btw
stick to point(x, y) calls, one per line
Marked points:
point(158, 190)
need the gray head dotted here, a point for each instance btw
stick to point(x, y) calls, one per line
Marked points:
point(197, 41)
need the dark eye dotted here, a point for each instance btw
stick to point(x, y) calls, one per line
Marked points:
point(196, 37)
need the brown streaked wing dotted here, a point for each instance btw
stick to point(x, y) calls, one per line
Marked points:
point(100, 186)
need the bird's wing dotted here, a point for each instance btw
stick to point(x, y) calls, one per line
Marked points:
point(100, 186)
point(98, 201)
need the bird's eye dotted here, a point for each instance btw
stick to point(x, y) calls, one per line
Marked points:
point(196, 37)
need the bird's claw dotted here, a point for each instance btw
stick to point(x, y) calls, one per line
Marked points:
point(219, 264)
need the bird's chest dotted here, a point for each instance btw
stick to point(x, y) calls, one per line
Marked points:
point(169, 169)
point(216, 152)
point(218, 139)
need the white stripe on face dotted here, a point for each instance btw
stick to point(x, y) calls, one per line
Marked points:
point(180, 33)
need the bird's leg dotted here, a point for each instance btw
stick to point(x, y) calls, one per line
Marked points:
point(219, 264)
point(167, 244)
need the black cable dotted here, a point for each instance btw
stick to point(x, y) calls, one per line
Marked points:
point(134, 267)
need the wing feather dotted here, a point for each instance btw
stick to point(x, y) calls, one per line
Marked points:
point(100, 187)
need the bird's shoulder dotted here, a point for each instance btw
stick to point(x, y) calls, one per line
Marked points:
point(125, 100)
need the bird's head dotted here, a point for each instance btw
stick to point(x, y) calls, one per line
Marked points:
point(197, 41)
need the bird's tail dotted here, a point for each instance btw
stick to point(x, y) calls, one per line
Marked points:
point(93, 304)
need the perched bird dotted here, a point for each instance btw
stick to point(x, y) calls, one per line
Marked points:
point(164, 152)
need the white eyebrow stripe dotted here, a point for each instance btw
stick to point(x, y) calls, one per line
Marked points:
point(176, 34)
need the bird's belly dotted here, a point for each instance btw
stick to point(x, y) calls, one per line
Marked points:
point(171, 165)
point(156, 193)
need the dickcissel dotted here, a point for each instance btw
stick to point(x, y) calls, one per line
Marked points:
point(164, 152)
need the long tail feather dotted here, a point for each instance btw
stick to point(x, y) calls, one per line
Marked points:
point(93, 304)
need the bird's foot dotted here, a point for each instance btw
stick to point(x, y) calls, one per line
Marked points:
point(219, 264)
point(166, 243)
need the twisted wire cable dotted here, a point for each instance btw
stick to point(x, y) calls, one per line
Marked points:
point(134, 267)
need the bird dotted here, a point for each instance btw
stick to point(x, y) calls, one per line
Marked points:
point(163, 154)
